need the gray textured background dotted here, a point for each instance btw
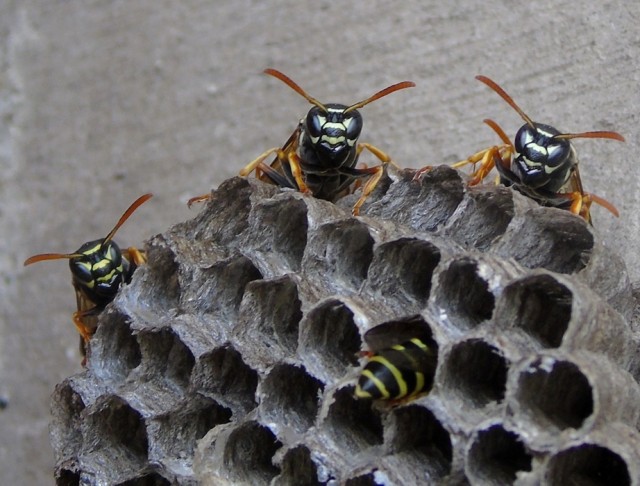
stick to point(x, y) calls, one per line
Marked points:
point(102, 101)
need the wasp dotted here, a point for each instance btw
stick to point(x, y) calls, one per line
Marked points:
point(541, 162)
point(400, 365)
point(98, 268)
point(321, 154)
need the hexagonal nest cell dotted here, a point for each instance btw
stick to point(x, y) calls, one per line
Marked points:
point(233, 355)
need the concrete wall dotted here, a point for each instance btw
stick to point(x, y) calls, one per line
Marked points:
point(102, 101)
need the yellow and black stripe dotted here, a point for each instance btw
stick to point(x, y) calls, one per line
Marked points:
point(400, 371)
point(98, 268)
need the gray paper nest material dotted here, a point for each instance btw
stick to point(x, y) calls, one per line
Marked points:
point(231, 357)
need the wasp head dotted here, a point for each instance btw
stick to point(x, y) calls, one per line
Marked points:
point(540, 157)
point(99, 269)
point(333, 131)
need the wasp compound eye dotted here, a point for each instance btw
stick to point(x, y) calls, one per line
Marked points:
point(353, 126)
point(316, 118)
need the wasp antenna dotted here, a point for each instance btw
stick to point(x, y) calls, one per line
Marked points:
point(294, 86)
point(388, 90)
point(498, 129)
point(596, 134)
point(50, 256)
point(136, 204)
point(503, 94)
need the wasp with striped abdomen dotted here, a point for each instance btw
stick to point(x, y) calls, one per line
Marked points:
point(541, 163)
point(321, 154)
point(98, 269)
point(401, 362)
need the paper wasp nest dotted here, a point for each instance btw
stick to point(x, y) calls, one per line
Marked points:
point(232, 356)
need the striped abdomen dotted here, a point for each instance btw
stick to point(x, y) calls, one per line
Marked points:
point(403, 370)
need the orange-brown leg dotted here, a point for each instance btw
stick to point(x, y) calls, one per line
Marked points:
point(358, 183)
point(576, 202)
point(197, 199)
point(581, 204)
point(251, 166)
point(487, 159)
point(296, 171)
point(376, 174)
point(134, 255)
point(85, 331)
point(245, 171)
point(602, 202)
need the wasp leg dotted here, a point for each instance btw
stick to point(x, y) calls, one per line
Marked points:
point(581, 205)
point(473, 159)
point(273, 175)
point(203, 197)
point(376, 173)
point(296, 171)
point(251, 166)
point(85, 331)
point(134, 255)
point(602, 202)
point(382, 156)
point(487, 159)
point(358, 184)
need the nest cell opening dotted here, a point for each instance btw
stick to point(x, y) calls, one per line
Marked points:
point(418, 435)
point(476, 371)
point(151, 479)
point(368, 479)
point(424, 204)
point(540, 306)
point(399, 331)
point(404, 266)
point(291, 397)
point(66, 477)
point(487, 215)
point(248, 454)
point(345, 250)
point(119, 426)
point(464, 294)
point(298, 468)
point(162, 284)
point(67, 407)
point(553, 239)
point(496, 456)
point(175, 434)
point(590, 464)
point(555, 393)
point(330, 338)
point(222, 375)
point(273, 308)
point(353, 423)
point(114, 351)
point(163, 353)
point(227, 213)
point(281, 230)
point(219, 288)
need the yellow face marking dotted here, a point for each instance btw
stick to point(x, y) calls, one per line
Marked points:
point(339, 126)
point(402, 385)
point(92, 250)
point(333, 140)
point(108, 277)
